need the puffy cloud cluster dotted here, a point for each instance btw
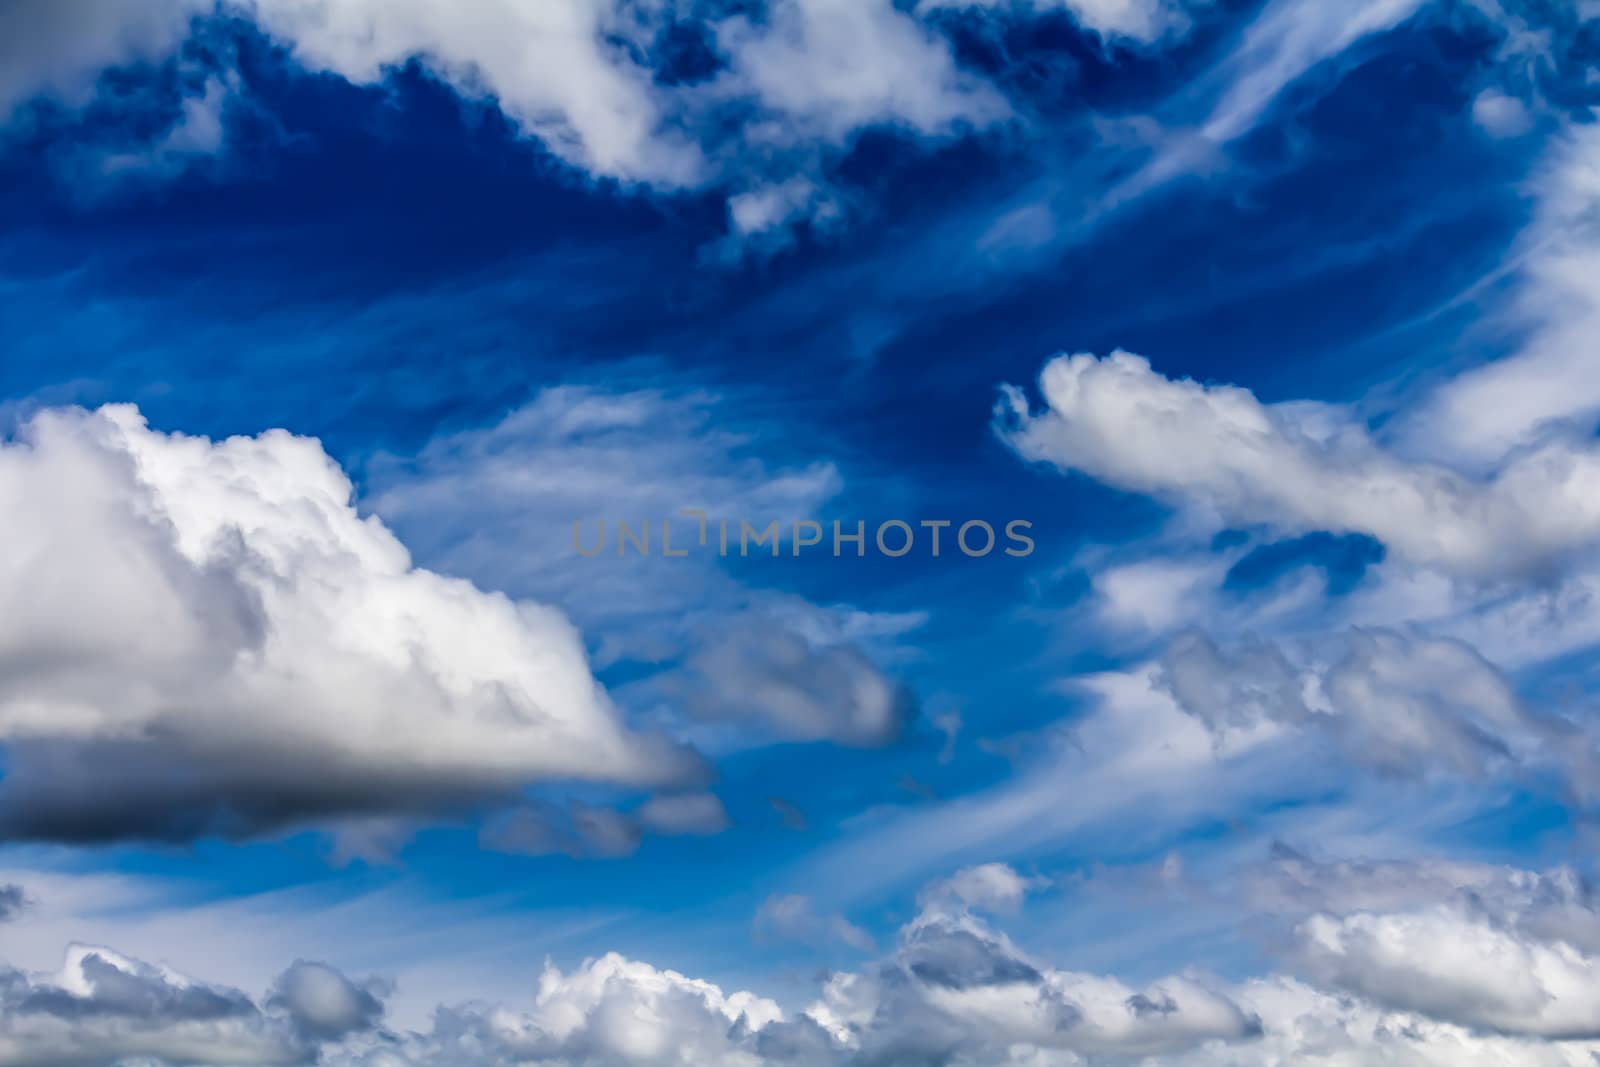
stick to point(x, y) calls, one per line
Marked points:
point(1407, 963)
point(214, 640)
point(1490, 948)
point(102, 1008)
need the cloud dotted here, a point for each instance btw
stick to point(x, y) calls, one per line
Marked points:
point(1411, 962)
point(218, 643)
point(833, 67)
point(1457, 967)
point(102, 1009)
point(1404, 705)
point(987, 887)
point(1495, 409)
point(677, 814)
point(1500, 115)
point(579, 830)
point(795, 918)
point(587, 831)
point(324, 1005)
point(12, 900)
point(1303, 467)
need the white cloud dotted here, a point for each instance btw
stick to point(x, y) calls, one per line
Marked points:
point(1459, 968)
point(1485, 413)
point(986, 887)
point(102, 1008)
point(1500, 115)
point(832, 67)
point(1301, 467)
point(1446, 980)
point(217, 642)
point(1289, 39)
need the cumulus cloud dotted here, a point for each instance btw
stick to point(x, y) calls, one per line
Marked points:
point(798, 689)
point(102, 1009)
point(1302, 467)
point(1459, 968)
point(216, 641)
point(677, 814)
point(324, 1005)
point(1415, 962)
point(987, 887)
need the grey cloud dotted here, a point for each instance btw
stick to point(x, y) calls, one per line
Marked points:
point(760, 672)
point(1404, 705)
point(12, 901)
point(104, 1010)
point(673, 814)
point(325, 1005)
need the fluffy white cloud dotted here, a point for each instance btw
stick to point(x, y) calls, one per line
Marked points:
point(216, 641)
point(1460, 968)
point(1301, 467)
point(831, 67)
point(556, 68)
point(1406, 963)
point(986, 887)
point(102, 1008)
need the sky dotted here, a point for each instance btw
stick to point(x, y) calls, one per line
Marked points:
point(433, 438)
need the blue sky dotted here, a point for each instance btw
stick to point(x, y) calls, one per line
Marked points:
point(324, 321)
